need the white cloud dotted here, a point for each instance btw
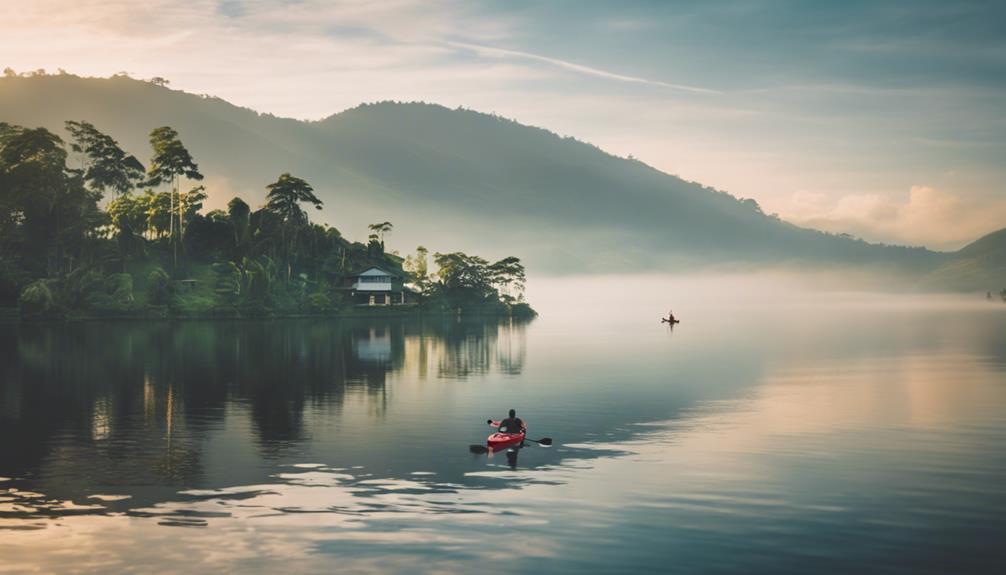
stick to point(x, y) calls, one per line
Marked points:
point(928, 216)
point(580, 68)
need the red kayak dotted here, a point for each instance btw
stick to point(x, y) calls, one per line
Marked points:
point(500, 441)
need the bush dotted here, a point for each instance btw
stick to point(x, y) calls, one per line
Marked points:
point(120, 288)
point(160, 291)
point(338, 299)
point(36, 299)
point(319, 303)
point(228, 282)
point(112, 296)
point(82, 288)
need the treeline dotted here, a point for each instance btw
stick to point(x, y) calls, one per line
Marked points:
point(152, 250)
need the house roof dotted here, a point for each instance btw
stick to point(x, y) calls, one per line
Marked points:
point(374, 271)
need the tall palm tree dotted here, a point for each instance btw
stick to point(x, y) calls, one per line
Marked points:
point(284, 199)
point(380, 229)
point(171, 161)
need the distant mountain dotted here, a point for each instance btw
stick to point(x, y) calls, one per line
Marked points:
point(457, 179)
point(980, 264)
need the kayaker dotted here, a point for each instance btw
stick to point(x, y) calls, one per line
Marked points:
point(512, 424)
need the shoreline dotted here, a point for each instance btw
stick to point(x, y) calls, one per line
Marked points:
point(13, 316)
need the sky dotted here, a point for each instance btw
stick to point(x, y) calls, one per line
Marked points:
point(880, 119)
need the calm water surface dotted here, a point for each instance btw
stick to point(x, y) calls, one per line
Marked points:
point(826, 434)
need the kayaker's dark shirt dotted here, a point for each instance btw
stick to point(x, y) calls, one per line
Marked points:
point(514, 425)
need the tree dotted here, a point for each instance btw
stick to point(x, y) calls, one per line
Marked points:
point(258, 274)
point(418, 267)
point(43, 209)
point(375, 249)
point(108, 166)
point(751, 204)
point(158, 212)
point(462, 277)
point(133, 208)
point(380, 229)
point(239, 214)
point(11, 215)
point(189, 205)
point(171, 162)
point(508, 276)
point(283, 200)
point(33, 162)
point(128, 215)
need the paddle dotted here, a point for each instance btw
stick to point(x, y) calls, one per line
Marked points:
point(544, 442)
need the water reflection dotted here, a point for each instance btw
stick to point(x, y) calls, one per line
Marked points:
point(775, 440)
point(133, 406)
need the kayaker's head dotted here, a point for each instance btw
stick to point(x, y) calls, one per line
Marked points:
point(513, 413)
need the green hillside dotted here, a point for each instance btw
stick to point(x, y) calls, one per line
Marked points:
point(450, 178)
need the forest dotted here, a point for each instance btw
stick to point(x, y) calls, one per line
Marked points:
point(88, 230)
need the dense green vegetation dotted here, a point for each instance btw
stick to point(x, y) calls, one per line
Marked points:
point(87, 230)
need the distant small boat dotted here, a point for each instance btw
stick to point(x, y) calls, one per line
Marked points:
point(670, 318)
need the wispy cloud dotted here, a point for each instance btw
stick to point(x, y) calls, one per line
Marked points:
point(580, 68)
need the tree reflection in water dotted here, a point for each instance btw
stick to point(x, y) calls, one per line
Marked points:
point(133, 403)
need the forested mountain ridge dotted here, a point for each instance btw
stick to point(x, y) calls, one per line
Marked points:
point(978, 264)
point(456, 177)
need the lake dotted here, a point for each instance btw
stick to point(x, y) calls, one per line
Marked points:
point(770, 431)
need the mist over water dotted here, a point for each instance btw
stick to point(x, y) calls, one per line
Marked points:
point(642, 298)
point(776, 429)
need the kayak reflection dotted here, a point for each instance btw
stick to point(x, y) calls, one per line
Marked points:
point(510, 453)
point(511, 456)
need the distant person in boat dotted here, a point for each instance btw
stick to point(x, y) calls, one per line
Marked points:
point(512, 424)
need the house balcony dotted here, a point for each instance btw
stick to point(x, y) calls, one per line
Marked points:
point(372, 286)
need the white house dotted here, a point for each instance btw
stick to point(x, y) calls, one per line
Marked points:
point(375, 286)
